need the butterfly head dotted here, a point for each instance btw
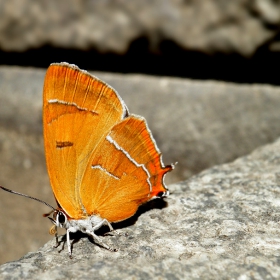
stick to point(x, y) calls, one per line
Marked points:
point(59, 219)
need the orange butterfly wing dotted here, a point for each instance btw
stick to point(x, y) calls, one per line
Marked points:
point(126, 172)
point(78, 111)
point(99, 160)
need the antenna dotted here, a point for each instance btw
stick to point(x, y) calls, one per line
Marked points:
point(10, 191)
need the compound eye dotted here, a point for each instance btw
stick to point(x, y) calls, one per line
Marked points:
point(61, 218)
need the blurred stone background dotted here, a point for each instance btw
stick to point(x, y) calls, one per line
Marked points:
point(229, 40)
point(203, 73)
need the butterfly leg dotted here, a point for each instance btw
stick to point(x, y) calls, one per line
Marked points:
point(105, 222)
point(99, 240)
point(56, 240)
point(95, 237)
point(68, 243)
point(96, 224)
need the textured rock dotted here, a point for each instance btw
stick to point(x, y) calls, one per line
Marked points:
point(220, 224)
point(209, 26)
point(198, 124)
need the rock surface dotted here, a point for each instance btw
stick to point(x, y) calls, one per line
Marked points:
point(108, 26)
point(199, 124)
point(221, 224)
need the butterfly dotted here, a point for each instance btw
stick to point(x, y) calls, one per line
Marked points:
point(102, 161)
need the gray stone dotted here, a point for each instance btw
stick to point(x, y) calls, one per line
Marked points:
point(199, 124)
point(221, 224)
point(239, 26)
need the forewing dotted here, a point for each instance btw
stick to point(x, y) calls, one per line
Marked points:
point(78, 112)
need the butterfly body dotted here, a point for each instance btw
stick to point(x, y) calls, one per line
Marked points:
point(86, 225)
